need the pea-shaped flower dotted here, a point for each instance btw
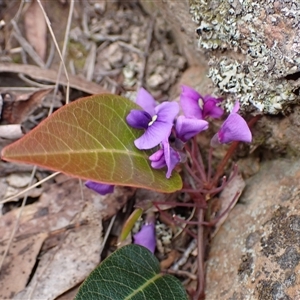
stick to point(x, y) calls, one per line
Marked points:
point(166, 156)
point(234, 128)
point(156, 121)
point(196, 106)
point(186, 128)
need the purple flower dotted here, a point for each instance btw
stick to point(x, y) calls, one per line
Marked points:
point(100, 188)
point(146, 237)
point(186, 128)
point(157, 121)
point(198, 107)
point(166, 156)
point(234, 128)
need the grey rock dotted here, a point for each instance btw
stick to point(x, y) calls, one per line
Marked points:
point(256, 253)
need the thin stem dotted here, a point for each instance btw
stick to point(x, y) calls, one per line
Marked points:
point(221, 166)
point(194, 159)
point(197, 158)
point(192, 173)
point(215, 221)
point(204, 191)
point(180, 220)
point(209, 163)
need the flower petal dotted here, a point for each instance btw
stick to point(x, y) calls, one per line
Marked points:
point(189, 101)
point(186, 128)
point(167, 111)
point(234, 128)
point(100, 188)
point(138, 119)
point(190, 92)
point(211, 109)
point(146, 101)
point(236, 107)
point(158, 159)
point(154, 135)
point(172, 157)
point(146, 237)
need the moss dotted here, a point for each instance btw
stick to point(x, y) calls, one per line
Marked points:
point(260, 43)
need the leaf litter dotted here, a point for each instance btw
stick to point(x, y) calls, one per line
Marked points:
point(113, 47)
point(36, 29)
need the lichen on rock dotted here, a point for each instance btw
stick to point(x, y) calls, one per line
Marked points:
point(254, 48)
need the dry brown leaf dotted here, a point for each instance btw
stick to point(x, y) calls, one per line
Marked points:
point(58, 205)
point(22, 256)
point(16, 108)
point(70, 262)
point(172, 256)
point(236, 185)
point(68, 259)
point(36, 29)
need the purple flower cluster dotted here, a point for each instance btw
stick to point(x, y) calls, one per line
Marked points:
point(159, 123)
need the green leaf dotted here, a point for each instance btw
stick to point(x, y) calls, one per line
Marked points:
point(132, 272)
point(90, 139)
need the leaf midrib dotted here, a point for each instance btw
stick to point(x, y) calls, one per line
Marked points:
point(143, 286)
point(70, 152)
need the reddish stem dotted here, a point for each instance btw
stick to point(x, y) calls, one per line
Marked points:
point(206, 191)
point(194, 159)
point(192, 173)
point(215, 221)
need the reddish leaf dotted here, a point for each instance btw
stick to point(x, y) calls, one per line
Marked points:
point(90, 139)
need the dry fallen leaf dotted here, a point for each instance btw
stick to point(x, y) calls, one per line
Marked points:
point(22, 256)
point(16, 108)
point(69, 263)
point(36, 29)
point(69, 253)
point(172, 256)
point(236, 185)
point(58, 205)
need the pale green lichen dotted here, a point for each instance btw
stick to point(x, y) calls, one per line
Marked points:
point(254, 46)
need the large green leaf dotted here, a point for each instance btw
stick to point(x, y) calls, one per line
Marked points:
point(90, 139)
point(132, 272)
